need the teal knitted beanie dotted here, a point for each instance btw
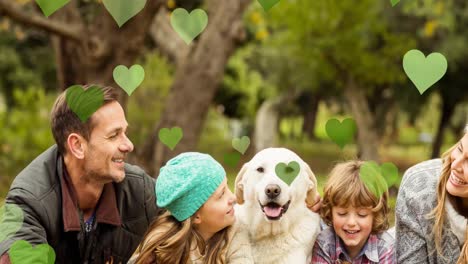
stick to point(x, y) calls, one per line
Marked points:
point(186, 182)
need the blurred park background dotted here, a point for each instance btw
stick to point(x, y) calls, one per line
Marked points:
point(275, 76)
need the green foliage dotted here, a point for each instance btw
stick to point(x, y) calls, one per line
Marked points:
point(147, 102)
point(243, 88)
point(25, 132)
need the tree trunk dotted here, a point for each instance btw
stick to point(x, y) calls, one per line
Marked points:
point(266, 125)
point(310, 117)
point(88, 52)
point(367, 139)
point(446, 115)
point(195, 82)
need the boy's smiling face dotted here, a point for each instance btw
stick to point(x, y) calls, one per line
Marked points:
point(353, 225)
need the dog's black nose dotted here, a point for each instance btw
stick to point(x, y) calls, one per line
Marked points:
point(272, 191)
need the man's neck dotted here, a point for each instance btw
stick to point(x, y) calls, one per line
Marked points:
point(86, 190)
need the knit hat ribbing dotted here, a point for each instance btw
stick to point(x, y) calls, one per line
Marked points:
point(186, 182)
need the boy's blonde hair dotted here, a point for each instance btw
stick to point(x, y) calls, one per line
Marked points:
point(345, 188)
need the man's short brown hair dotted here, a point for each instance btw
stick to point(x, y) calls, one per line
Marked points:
point(64, 121)
point(345, 188)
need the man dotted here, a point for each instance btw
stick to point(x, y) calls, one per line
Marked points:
point(79, 196)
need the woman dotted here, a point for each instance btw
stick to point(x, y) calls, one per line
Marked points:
point(432, 209)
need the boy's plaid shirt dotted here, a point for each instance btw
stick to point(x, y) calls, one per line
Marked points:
point(329, 248)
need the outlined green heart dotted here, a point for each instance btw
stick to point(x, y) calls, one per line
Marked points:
point(189, 26)
point(287, 173)
point(21, 252)
point(241, 144)
point(231, 159)
point(11, 220)
point(268, 4)
point(48, 7)
point(341, 133)
point(129, 79)
point(394, 2)
point(424, 72)
point(378, 179)
point(123, 10)
point(84, 102)
point(170, 137)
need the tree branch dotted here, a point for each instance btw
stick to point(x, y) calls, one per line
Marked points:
point(14, 12)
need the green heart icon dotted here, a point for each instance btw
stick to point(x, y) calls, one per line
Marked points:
point(422, 71)
point(11, 220)
point(129, 79)
point(189, 26)
point(341, 133)
point(287, 173)
point(390, 173)
point(48, 7)
point(84, 103)
point(241, 144)
point(21, 252)
point(170, 137)
point(267, 4)
point(123, 10)
point(394, 2)
point(378, 179)
point(231, 159)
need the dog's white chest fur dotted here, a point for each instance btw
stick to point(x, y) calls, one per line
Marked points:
point(282, 242)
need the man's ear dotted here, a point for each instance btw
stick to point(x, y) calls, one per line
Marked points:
point(76, 145)
point(239, 186)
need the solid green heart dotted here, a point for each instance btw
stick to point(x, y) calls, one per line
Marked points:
point(11, 220)
point(21, 252)
point(231, 159)
point(378, 179)
point(341, 133)
point(287, 173)
point(241, 144)
point(189, 26)
point(268, 4)
point(84, 103)
point(48, 7)
point(129, 79)
point(123, 10)
point(394, 2)
point(424, 72)
point(170, 137)
point(390, 173)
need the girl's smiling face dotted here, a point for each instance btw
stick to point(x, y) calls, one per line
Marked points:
point(217, 212)
point(353, 225)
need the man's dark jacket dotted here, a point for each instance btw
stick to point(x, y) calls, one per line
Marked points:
point(123, 213)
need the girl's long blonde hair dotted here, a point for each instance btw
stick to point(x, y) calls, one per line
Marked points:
point(170, 241)
point(439, 215)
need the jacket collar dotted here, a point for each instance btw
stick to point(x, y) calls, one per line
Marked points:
point(106, 210)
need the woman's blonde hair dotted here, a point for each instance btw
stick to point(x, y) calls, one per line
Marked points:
point(438, 214)
point(345, 188)
point(170, 241)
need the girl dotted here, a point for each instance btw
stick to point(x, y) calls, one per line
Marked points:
point(357, 220)
point(197, 226)
point(432, 209)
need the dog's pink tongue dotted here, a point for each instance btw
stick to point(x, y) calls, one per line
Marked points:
point(272, 211)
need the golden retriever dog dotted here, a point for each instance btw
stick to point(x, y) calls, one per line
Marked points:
point(274, 213)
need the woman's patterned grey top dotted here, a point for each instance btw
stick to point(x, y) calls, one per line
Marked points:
point(416, 199)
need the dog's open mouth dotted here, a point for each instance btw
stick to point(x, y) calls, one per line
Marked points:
point(274, 211)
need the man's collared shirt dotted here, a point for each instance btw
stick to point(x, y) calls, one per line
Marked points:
point(329, 248)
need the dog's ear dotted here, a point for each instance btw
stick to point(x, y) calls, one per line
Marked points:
point(239, 186)
point(312, 190)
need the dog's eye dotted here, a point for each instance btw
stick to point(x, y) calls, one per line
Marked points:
point(260, 169)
